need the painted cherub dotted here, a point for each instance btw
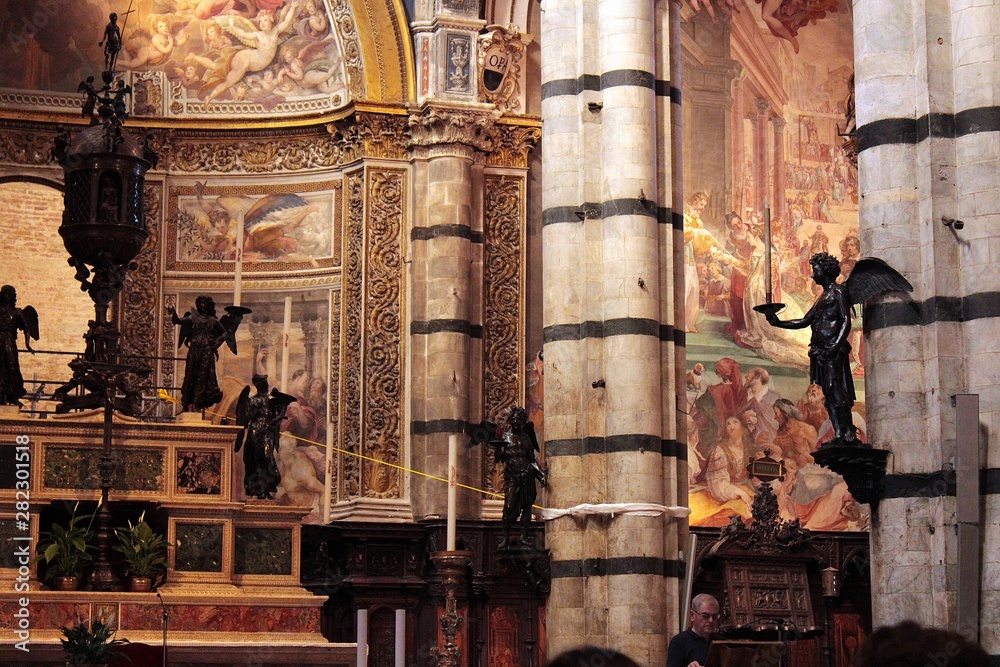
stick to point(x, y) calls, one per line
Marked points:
point(314, 24)
point(261, 41)
point(150, 51)
point(320, 74)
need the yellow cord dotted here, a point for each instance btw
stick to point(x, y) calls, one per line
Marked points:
point(167, 397)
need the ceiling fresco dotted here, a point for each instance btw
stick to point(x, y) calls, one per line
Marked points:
point(190, 58)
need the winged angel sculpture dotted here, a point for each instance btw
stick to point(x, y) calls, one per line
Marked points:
point(830, 319)
point(261, 43)
point(260, 416)
point(203, 333)
point(783, 17)
point(13, 320)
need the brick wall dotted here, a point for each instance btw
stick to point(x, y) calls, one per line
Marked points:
point(33, 260)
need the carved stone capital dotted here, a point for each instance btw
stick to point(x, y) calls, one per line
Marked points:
point(779, 124)
point(763, 106)
point(512, 144)
point(438, 131)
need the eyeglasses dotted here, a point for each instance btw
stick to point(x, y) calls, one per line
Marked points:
point(707, 616)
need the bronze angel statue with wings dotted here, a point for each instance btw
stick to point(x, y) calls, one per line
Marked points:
point(203, 333)
point(260, 416)
point(830, 319)
point(13, 320)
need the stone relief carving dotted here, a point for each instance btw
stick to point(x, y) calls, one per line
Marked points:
point(503, 222)
point(383, 284)
point(26, 145)
point(500, 57)
point(459, 78)
point(512, 144)
point(434, 128)
point(353, 331)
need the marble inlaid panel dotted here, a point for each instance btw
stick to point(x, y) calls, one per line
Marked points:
point(263, 551)
point(45, 616)
point(199, 472)
point(76, 468)
point(217, 618)
point(199, 547)
point(7, 557)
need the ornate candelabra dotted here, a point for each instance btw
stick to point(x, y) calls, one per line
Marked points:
point(452, 566)
point(103, 229)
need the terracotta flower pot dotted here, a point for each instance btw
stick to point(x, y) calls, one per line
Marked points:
point(66, 583)
point(140, 584)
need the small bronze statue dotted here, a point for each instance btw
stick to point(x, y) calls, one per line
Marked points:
point(203, 333)
point(112, 42)
point(260, 416)
point(13, 320)
point(830, 319)
point(517, 452)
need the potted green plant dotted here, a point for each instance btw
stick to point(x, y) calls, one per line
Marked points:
point(64, 550)
point(145, 553)
point(91, 643)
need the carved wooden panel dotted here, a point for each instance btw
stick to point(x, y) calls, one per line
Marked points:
point(350, 478)
point(503, 291)
point(383, 434)
point(762, 591)
point(139, 297)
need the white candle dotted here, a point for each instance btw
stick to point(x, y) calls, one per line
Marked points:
point(285, 335)
point(362, 638)
point(452, 465)
point(238, 269)
point(400, 638)
point(768, 288)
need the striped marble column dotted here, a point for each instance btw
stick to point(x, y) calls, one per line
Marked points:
point(927, 87)
point(447, 224)
point(607, 275)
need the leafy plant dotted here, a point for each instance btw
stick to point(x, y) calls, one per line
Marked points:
point(91, 643)
point(64, 548)
point(144, 549)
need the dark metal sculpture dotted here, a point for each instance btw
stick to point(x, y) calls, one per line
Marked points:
point(516, 450)
point(203, 333)
point(830, 320)
point(12, 321)
point(861, 466)
point(260, 416)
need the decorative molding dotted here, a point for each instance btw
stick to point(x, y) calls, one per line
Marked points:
point(140, 297)
point(503, 249)
point(350, 476)
point(343, 19)
point(333, 408)
point(383, 433)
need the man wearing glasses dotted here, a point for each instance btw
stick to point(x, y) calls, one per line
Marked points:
point(690, 648)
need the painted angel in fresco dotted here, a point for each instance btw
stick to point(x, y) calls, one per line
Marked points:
point(260, 416)
point(830, 321)
point(260, 44)
point(312, 23)
point(306, 66)
point(273, 229)
point(151, 49)
point(13, 320)
point(785, 17)
point(203, 333)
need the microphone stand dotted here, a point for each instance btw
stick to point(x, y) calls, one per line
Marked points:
point(166, 619)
